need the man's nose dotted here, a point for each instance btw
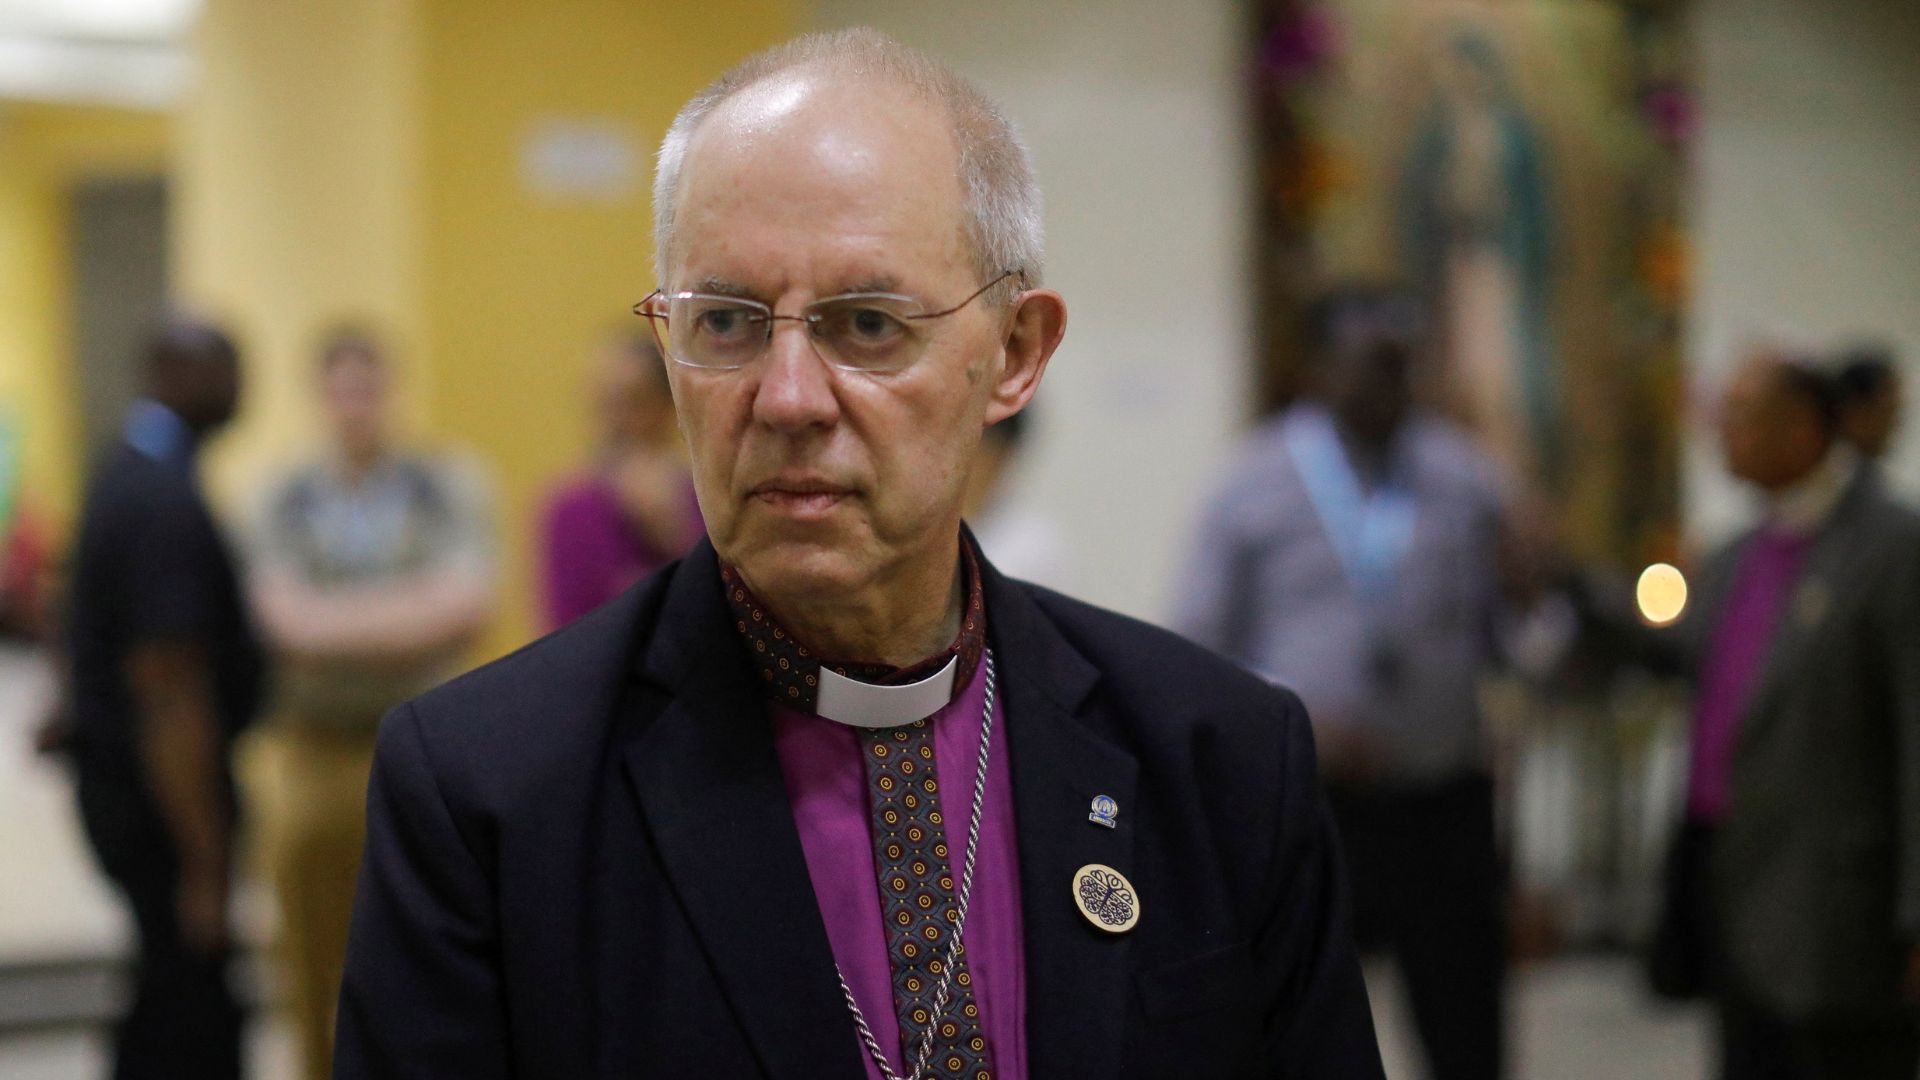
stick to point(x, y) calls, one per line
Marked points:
point(796, 388)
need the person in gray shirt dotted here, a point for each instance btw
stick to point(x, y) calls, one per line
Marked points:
point(372, 572)
point(1352, 553)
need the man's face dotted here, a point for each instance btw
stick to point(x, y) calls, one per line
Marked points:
point(1769, 438)
point(1369, 388)
point(815, 480)
point(210, 394)
point(356, 393)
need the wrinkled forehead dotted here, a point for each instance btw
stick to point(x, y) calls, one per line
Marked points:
point(817, 168)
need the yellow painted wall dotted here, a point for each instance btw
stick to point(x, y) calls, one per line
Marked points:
point(297, 205)
point(364, 157)
point(44, 149)
point(519, 286)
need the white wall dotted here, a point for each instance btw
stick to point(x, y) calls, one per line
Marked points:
point(1806, 197)
point(1136, 116)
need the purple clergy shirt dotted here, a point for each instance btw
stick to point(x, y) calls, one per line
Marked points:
point(1736, 655)
point(827, 785)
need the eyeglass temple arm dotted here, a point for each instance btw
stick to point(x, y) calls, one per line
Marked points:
point(977, 293)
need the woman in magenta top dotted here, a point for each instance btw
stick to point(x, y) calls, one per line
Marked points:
point(634, 511)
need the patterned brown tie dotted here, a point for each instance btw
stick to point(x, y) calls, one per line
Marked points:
point(910, 855)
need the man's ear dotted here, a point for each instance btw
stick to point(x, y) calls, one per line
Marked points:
point(1039, 322)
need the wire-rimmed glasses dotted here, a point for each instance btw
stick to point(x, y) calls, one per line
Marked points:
point(872, 332)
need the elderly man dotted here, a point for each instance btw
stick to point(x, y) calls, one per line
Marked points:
point(740, 822)
point(1799, 864)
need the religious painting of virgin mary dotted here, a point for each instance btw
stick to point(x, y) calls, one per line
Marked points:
point(1517, 166)
point(1476, 222)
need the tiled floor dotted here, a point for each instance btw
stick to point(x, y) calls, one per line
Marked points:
point(1576, 1019)
point(53, 902)
point(1583, 1018)
point(56, 908)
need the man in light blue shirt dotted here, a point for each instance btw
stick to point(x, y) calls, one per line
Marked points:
point(1351, 554)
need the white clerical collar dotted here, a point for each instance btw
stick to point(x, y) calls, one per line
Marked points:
point(1805, 505)
point(869, 705)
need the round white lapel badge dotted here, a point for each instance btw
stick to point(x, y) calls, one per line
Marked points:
point(1106, 898)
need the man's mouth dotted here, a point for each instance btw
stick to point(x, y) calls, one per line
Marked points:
point(802, 498)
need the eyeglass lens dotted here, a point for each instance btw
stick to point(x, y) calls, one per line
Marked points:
point(861, 333)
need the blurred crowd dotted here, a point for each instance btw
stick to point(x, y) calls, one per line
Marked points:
point(360, 578)
point(1362, 547)
point(1369, 552)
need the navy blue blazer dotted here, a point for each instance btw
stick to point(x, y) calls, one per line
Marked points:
point(581, 862)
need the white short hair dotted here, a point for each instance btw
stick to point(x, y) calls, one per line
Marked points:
point(1002, 208)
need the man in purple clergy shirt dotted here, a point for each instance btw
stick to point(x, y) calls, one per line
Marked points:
point(829, 796)
point(1795, 887)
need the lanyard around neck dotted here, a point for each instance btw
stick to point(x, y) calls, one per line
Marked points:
point(1370, 531)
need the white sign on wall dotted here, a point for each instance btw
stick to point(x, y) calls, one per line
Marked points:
point(576, 159)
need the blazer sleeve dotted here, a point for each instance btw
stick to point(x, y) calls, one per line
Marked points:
point(1320, 1023)
point(422, 995)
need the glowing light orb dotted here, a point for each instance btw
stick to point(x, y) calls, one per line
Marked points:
point(1662, 594)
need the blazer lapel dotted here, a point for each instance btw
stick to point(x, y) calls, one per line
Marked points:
point(1077, 976)
point(710, 789)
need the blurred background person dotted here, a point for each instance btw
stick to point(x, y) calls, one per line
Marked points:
point(164, 672)
point(1871, 400)
point(372, 571)
point(23, 557)
point(23, 562)
point(1023, 543)
point(1796, 889)
point(29, 622)
point(1351, 555)
point(632, 510)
